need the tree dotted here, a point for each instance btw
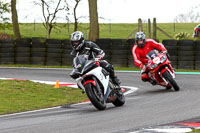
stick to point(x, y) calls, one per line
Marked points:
point(75, 17)
point(49, 14)
point(15, 20)
point(192, 16)
point(94, 24)
point(4, 8)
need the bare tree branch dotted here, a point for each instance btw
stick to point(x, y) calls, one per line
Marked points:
point(43, 10)
point(49, 14)
point(56, 10)
point(191, 16)
point(75, 17)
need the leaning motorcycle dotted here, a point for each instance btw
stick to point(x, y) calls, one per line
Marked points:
point(96, 82)
point(160, 70)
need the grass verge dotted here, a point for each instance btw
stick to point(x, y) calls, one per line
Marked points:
point(195, 131)
point(19, 96)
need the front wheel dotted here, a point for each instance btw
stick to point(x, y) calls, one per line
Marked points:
point(120, 99)
point(96, 97)
point(171, 80)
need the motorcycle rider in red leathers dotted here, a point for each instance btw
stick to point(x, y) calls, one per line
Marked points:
point(140, 49)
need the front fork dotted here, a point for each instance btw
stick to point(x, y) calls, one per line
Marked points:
point(162, 71)
point(92, 81)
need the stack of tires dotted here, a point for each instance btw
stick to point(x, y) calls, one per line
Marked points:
point(119, 53)
point(105, 45)
point(66, 56)
point(186, 54)
point(171, 46)
point(130, 44)
point(23, 51)
point(197, 55)
point(38, 51)
point(7, 51)
point(54, 52)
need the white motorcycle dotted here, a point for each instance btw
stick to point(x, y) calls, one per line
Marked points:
point(95, 81)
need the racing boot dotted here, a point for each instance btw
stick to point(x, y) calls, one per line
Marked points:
point(115, 80)
point(144, 77)
point(168, 87)
point(153, 82)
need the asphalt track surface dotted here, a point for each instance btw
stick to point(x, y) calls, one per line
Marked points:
point(147, 107)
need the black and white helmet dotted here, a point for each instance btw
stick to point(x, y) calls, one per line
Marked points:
point(77, 40)
point(140, 39)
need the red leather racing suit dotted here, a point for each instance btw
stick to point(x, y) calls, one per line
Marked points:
point(140, 53)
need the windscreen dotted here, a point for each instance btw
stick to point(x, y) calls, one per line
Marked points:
point(152, 54)
point(80, 61)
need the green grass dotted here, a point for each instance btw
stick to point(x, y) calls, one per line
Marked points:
point(113, 31)
point(19, 96)
point(195, 131)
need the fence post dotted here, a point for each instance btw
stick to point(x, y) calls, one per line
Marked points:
point(149, 27)
point(154, 28)
point(139, 24)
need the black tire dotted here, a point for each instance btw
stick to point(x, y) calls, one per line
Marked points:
point(120, 99)
point(90, 89)
point(170, 42)
point(171, 80)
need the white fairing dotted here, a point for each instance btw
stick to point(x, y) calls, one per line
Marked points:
point(97, 72)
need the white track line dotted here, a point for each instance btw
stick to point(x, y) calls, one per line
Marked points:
point(165, 130)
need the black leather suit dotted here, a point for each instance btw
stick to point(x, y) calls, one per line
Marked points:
point(94, 51)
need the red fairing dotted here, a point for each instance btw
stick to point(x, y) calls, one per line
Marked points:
point(97, 63)
point(196, 29)
point(163, 71)
point(154, 72)
point(90, 81)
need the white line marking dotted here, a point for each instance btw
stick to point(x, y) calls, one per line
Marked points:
point(20, 113)
point(165, 130)
point(132, 89)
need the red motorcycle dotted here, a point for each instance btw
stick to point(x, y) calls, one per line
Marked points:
point(160, 70)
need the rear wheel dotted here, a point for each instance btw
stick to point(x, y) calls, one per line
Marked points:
point(96, 97)
point(171, 80)
point(120, 99)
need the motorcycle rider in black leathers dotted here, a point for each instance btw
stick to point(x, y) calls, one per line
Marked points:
point(80, 46)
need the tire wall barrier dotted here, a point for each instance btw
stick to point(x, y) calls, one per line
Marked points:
point(23, 51)
point(66, 57)
point(184, 54)
point(197, 55)
point(130, 44)
point(7, 52)
point(38, 51)
point(119, 53)
point(54, 52)
point(171, 46)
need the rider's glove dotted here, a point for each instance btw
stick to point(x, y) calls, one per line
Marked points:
point(98, 58)
point(167, 54)
point(143, 68)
